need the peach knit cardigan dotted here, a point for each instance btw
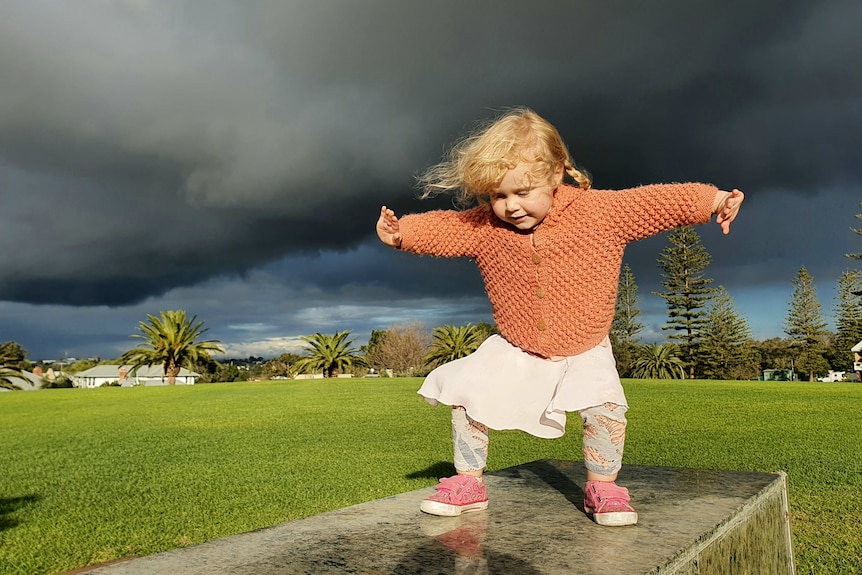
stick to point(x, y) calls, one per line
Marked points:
point(553, 289)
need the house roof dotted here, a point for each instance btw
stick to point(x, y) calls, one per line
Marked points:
point(144, 371)
point(857, 347)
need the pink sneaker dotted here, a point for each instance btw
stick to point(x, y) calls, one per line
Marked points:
point(456, 495)
point(608, 504)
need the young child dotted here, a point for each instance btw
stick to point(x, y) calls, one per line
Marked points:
point(550, 256)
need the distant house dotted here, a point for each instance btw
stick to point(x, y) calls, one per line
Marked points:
point(122, 374)
point(778, 375)
point(833, 376)
point(857, 360)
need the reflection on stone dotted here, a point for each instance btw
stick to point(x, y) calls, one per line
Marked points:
point(692, 522)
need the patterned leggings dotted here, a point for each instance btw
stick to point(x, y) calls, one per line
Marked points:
point(604, 439)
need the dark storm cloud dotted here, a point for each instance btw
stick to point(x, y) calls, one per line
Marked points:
point(149, 145)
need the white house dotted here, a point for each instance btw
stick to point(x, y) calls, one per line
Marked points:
point(833, 376)
point(122, 374)
point(857, 357)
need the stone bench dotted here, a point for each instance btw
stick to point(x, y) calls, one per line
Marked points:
point(692, 522)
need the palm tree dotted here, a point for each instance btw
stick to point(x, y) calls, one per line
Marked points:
point(451, 343)
point(331, 354)
point(9, 370)
point(170, 340)
point(658, 361)
point(8, 374)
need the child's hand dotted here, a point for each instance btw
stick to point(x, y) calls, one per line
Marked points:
point(388, 229)
point(728, 210)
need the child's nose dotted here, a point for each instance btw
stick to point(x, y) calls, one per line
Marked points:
point(512, 204)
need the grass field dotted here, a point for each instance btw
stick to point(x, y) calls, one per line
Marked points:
point(93, 475)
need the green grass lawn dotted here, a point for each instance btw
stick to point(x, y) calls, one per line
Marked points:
point(93, 475)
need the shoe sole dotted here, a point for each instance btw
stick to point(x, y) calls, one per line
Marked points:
point(447, 510)
point(618, 519)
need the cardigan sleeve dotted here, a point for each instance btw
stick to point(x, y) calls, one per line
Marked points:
point(637, 213)
point(445, 233)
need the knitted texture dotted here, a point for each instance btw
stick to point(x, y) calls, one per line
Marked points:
point(553, 289)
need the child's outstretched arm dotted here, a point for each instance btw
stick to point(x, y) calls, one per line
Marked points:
point(726, 207)
point(388, 229)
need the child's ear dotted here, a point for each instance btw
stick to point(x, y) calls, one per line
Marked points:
point(558, 175)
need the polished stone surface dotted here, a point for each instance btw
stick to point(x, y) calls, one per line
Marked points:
point(691, 522)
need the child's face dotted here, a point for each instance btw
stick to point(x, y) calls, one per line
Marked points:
point(523, 203)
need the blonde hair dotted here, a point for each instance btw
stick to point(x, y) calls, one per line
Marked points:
point(477, 163)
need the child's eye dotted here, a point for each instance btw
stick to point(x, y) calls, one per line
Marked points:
point(524, 193)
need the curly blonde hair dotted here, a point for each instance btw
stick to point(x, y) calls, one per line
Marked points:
point(477, 163)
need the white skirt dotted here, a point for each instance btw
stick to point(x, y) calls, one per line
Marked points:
point(505, 387)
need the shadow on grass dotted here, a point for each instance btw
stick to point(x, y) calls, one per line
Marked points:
point(9, 505)
point(435, 471)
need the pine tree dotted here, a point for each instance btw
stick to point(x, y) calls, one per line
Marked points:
point(805, 325)
point(686, 290)
point(726, 349)
point(848, 320)
point(857, 231)
point(626, 326)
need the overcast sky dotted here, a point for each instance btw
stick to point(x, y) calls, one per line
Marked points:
point(229, 158)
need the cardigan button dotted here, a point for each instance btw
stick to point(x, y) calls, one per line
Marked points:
point(541, 325)
point(540, 293)
point(536, 259)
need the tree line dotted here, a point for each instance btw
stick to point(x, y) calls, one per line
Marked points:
point(707, 337)
point(173, 340)
point(408, 350)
